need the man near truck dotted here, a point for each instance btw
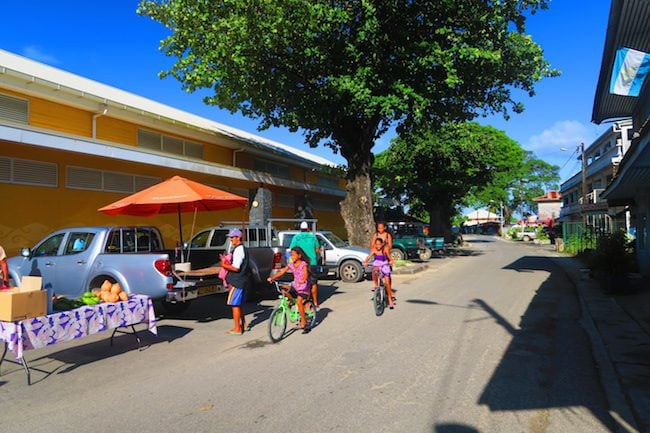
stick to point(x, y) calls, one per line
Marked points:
point(310, 245)
point(237, 278)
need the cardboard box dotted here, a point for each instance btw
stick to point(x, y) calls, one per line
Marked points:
point(23, 302)
point(18, 305)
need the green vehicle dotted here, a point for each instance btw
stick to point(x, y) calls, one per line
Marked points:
point(409, 241)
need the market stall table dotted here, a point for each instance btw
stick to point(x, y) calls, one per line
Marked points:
point(62, 326)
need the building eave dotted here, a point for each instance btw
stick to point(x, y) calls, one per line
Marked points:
point(91, 94)
point(627, 27)
point(45, 139)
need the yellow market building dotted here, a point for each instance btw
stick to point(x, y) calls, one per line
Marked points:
point(70, 145)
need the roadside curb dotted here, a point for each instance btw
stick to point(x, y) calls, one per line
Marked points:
point(598, 309)
point(412, 268)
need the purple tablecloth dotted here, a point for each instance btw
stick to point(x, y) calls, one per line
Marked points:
point(87, 320)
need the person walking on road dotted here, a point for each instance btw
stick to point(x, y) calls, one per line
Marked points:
point(308, 242)
point(237, 279)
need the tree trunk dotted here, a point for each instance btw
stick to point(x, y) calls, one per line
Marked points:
point(355, 139)
point(440, 220)
point(357, 210)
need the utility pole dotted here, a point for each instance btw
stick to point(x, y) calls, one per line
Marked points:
point(583, 158)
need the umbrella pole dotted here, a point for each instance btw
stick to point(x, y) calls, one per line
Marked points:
point(180, 230)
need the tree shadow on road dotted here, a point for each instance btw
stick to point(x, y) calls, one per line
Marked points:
point(548, 363)
point(80, 355)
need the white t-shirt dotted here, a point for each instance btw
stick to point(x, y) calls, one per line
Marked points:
point(238, 256)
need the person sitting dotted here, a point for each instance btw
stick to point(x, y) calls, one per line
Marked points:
point(382, 262)
point(300, 287)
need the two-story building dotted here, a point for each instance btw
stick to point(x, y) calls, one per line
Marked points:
point(623, 91)
point(583, 207)
point(548, 207)
point(70, 145)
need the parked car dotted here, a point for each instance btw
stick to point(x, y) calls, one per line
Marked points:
point(268, 251)
point(409, 241)
point(341, 259)
point(524, 232)
point(74, 260)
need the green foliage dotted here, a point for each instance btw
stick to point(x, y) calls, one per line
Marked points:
point(614, 254)
point(343, 72)
point(577, 244)
point(516, 185)
point(440, 167)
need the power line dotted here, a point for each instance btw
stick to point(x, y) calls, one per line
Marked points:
point(570, 158)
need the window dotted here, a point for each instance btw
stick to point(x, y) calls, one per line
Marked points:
point(28, 172)
point(327, 181)
point(101, 180)
point(218, 238)
point(165, 143)
point(200, 240)
point(14, 109)
point(279, 170)
point(78, 242)
point(50, 246)
point(286, 240)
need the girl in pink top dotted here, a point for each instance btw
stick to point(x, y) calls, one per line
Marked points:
point(300, 288)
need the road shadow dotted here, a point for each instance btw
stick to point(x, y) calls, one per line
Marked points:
point(78, 356)
point(548, 363)
point(454, 428)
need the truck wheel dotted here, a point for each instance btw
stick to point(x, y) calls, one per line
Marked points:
point(397, 254)
point(526, 238)
point(174, 307)
point(425, 254)
point(351, 271)
point(97, 282)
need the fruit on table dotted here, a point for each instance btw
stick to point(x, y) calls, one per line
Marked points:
point(116, 288)
point(89, 298)
point(65, 304)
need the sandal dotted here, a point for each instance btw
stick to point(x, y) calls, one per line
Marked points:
point(231, 332)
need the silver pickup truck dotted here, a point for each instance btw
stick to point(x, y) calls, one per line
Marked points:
point(74, 260)
point(268, 248)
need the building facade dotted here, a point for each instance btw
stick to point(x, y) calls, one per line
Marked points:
point(548, 207)
point(583, 207)
point(70, 145)
point(625, 92)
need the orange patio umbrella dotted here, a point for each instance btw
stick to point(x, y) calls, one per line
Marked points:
point(175, 195)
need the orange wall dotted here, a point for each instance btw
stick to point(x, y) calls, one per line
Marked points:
point(37, 211)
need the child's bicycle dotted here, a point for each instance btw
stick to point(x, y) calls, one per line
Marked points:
point(287, 311)
point(380, 296)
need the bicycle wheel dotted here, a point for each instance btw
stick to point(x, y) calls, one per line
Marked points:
point(277, 324)
point(311, 313)
point(379, 299)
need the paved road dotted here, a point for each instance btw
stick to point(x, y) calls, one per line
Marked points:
point(484, 342)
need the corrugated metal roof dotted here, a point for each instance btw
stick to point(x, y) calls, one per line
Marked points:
point(86, 86)
point(628, 27)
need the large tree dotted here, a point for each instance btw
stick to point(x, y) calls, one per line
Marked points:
point(346, 71)
point(434, 169)
point(515, 186)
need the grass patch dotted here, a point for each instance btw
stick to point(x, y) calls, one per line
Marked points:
point(400, 263)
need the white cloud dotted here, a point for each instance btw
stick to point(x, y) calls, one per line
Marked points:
point(35, 53)
point(563, 134)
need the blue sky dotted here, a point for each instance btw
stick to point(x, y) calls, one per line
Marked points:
point(108, 42)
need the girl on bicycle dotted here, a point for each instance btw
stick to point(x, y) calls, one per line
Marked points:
point(300, 287)
point(382, 262)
